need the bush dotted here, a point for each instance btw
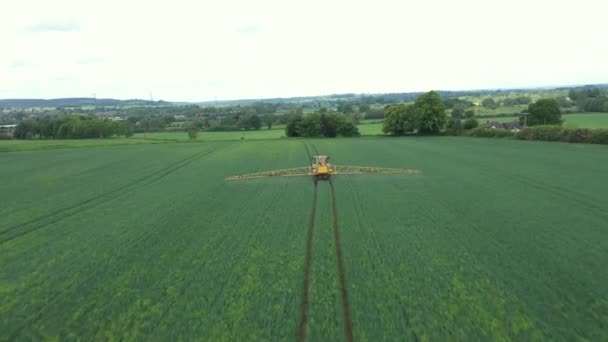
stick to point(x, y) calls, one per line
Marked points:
point(192, 134)
point(481, 132)
point(4, 136)
point(577, 135)
point(470, 123)
point(454, 127)
point(599, 136)
point(571, 135)
point(544, 133)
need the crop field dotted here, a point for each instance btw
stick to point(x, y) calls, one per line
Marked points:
point(493, 240)
point(215, 136)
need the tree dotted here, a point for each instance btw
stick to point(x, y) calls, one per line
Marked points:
point(470, 123)
point(454, 127)
point(544, 112)
point(523, 100)
point(309, 126)
point(399, 119)
point(489, 103)
point(269, 120)
point(455, 102)
point(251, 121)
point(356, 118)
point(345, 108)
point(292, 127)
point(429, 112)
point(563, 102)
point(26, 129)
point(364, 107)
point(392, 122)
point(255, 122)
point(457, 113)
point(347, 129)
point(192, 134)
point(328, 126)
point(509, 102)
point(469, 114)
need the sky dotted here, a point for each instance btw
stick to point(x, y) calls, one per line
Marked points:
point(200, 50)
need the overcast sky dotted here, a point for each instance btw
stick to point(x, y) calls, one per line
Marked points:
point(200, 50)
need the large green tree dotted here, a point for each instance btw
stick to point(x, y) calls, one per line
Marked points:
point(399, 119)
point(544, 112)
point(430, 114)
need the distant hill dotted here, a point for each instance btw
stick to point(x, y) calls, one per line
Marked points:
point(386, 98)
point(78, 102)
point(397, 97)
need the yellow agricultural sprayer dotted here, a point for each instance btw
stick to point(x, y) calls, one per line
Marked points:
point(321, 169)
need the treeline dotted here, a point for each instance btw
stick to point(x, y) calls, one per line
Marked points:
point(233, 122)
point(77, 102)
point(590, 99)
point(71, 127)
point(546, 133)
point(329, 125)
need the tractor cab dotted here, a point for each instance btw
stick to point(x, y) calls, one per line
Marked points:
point(321, 169)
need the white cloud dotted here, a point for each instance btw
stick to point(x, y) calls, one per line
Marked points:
point(53, 25)
point(198, 50)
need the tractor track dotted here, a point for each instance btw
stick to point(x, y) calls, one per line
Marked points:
point(348, 328)
point(308, 270)
point(307, 153)
point(58, 215)
point(304, 309)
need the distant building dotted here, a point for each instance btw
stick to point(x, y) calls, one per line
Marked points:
point(179, 117)
point(7, 129)
point(513, 126)
point(117, 118)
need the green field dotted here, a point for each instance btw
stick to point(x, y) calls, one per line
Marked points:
point(215, 136)
point(494, 240)
point(27, 145)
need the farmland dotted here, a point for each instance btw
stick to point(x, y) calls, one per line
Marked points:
point(494, 240)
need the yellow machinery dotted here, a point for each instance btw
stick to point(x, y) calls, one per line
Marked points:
point(322, 169)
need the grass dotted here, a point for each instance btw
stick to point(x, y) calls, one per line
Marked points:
point(494, 240)
point(370, 129)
